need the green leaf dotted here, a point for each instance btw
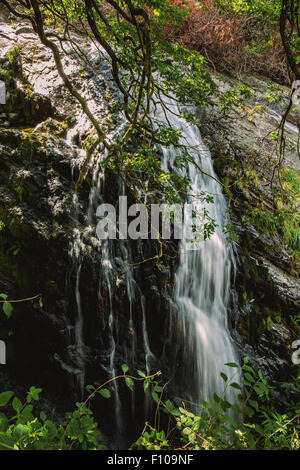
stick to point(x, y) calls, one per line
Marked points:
point(169, 405)
point(3, 422)
point(7, 309)
point(43, 416)
point(3, 296)
point(17, 405)
point(33, 394)
point(231, 364)
point(231, 421)
point(141, 373)
point(26, 413)
point(249, 378)
point(224, 377)
point(245, 382)
point(236, 386)
point(7, 442)
point(129, 383)
point(125, 368)
point(236, 408)
point(5, 397)
point(249, 411)
point(146, 385)
point(104, 392)
point(20, 431)
point(254, 404)
point(248, 368)
point(51, 430)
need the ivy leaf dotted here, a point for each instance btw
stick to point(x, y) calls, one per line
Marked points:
point(105, 393)
point(129, 383)
point(146, 385)
point(125, 368)
point(7, 309)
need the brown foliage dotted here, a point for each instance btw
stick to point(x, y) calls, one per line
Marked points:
point(222, 40)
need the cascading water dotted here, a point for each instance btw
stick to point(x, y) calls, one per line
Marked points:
point(202, 285)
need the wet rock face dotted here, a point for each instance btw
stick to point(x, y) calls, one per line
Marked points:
point(36, 196)
point(23, 107)
point(49, 247)
point(267, 285)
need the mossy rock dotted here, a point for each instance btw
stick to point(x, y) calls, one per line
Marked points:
point(53, 127)
point(23, 106)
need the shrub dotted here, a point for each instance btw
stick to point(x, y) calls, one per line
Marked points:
point(231, 41)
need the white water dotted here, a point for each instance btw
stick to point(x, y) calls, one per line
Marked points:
point(202, 282)
point(202, 285)
point(203, 277)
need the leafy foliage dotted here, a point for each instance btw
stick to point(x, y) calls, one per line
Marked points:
point(147, 69)
point(22, 429)
point(253, 423)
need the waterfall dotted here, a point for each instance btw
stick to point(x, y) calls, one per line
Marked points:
point(202, 281)
point(198, 329)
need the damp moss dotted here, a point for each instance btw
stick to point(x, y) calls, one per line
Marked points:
point(30, 146)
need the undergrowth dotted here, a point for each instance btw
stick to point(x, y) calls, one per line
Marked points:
point(252, 422)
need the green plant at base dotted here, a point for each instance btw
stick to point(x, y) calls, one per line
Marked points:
point(20, 429)
point(252, 423)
